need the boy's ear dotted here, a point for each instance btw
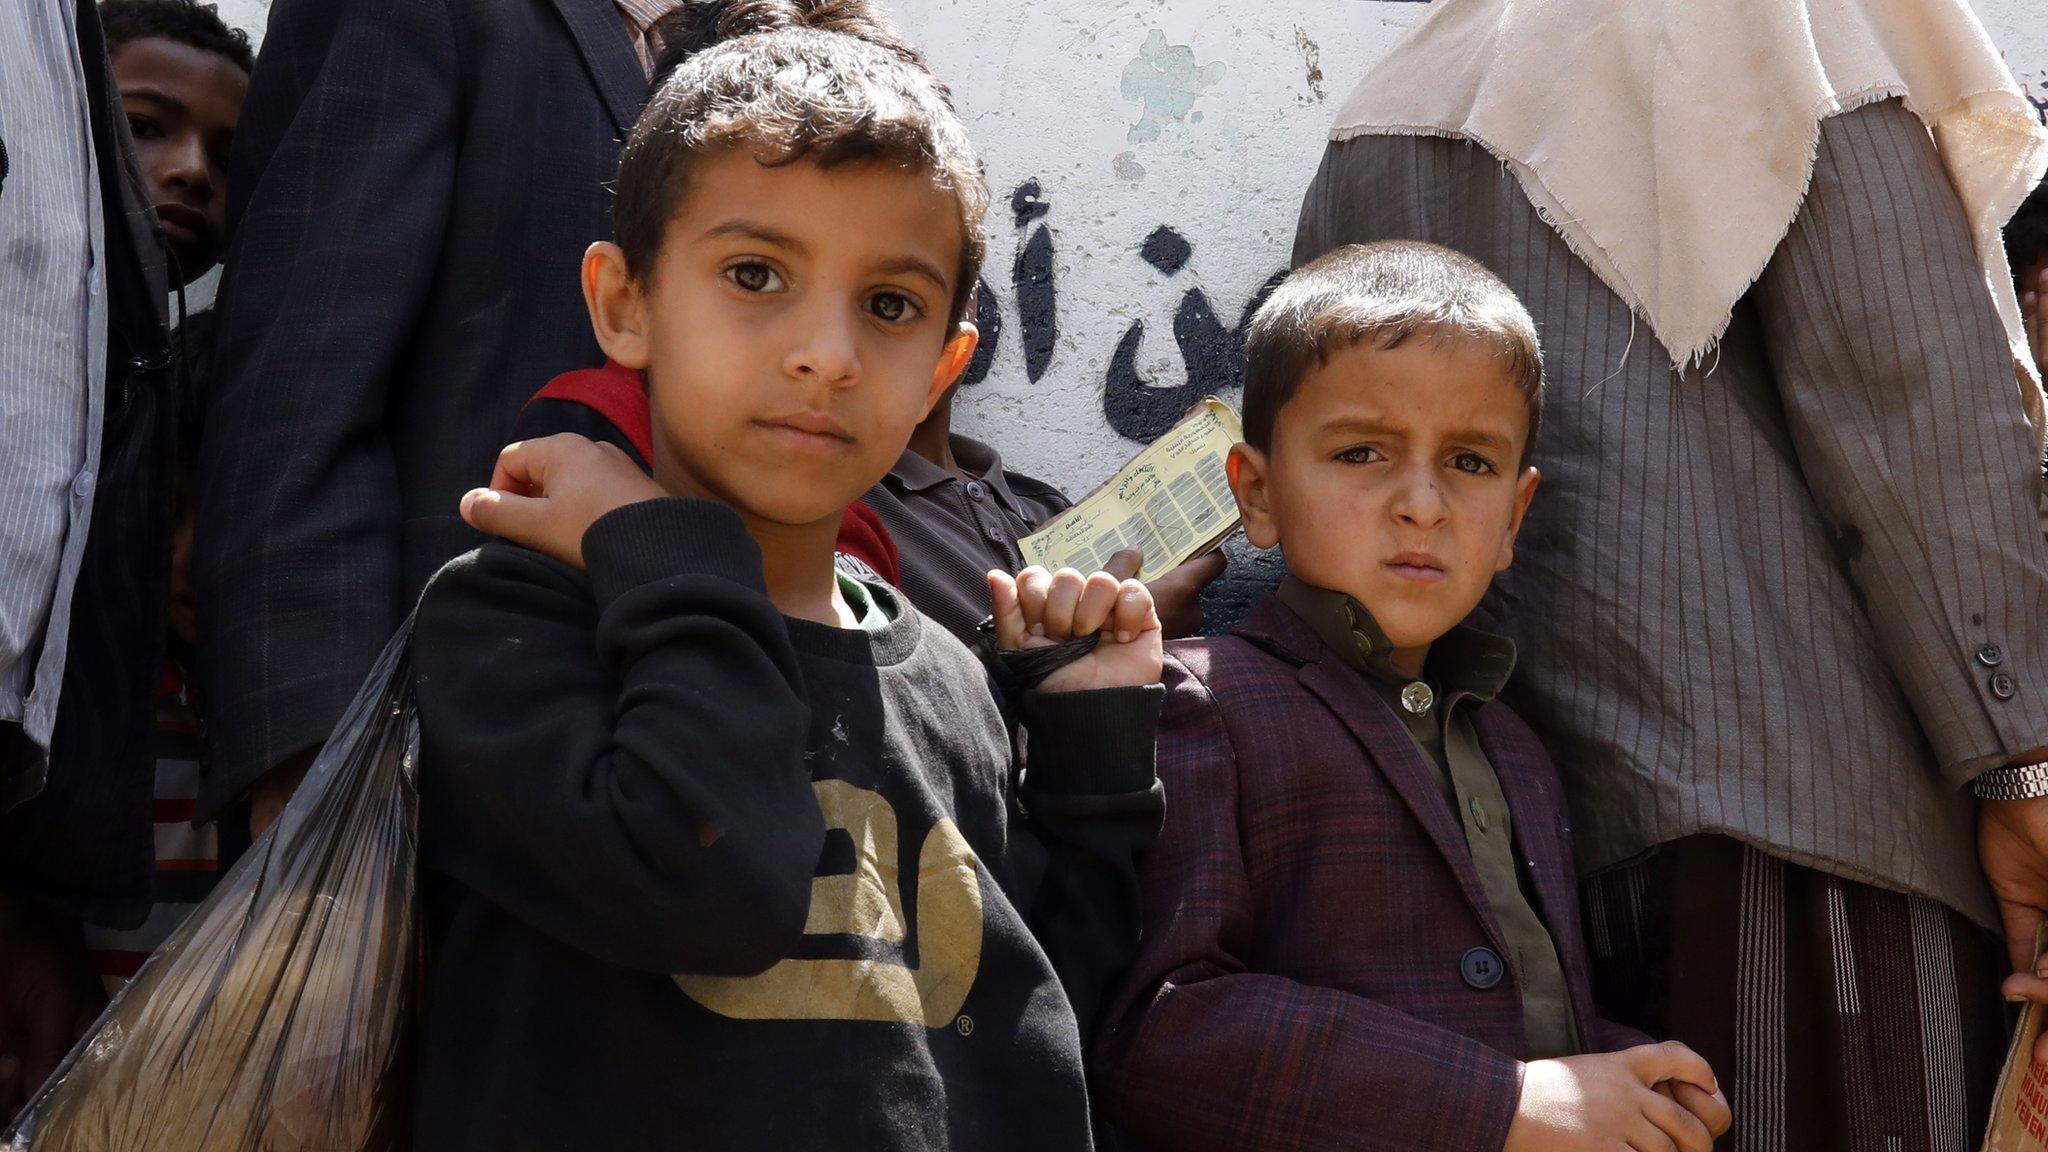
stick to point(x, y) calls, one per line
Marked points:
point(1246, 469)
point(1525, 491)
point(618, 308)
point(953, 361)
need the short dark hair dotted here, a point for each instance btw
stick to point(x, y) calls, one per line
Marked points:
point(697, 25)
point(792, 93)
point(1385, 294)
point(185, 21)
point(2026, 237)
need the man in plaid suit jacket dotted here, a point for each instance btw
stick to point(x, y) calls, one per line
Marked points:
point(413, 185)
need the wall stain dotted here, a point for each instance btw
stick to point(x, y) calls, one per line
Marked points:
point(1312, 59)
point(1164, 81)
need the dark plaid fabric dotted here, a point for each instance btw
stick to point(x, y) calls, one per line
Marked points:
point(413, 186)
point(1839, 1017)
point(1307, 912)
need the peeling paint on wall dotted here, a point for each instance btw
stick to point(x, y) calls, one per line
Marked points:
point(1312, 59)
point(1165, 82)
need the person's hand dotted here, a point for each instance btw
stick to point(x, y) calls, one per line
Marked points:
point(48, 997)
point(545, 494)
point(2012, 846)
point(1610, 1100)
point(2027, 988)
point(1711, 1108)
point(1038, 609)
point(1176, 594)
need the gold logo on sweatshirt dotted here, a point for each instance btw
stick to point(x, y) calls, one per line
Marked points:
point(869, 902)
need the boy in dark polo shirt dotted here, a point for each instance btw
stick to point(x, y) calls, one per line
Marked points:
point(955, 513)
point(1361, 928)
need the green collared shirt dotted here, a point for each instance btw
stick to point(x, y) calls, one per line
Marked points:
point(1466, 668)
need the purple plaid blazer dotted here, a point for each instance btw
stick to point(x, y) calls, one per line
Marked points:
point(1306, 911)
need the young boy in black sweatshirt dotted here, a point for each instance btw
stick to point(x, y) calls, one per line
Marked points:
point(724, 849)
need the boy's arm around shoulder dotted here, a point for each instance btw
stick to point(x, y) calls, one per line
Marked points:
point(619, 762)
point(1198, 1051)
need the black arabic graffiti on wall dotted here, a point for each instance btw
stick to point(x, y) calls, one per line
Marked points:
point(1138, 409)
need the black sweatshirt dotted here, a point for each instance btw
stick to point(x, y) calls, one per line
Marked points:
point(701, 876)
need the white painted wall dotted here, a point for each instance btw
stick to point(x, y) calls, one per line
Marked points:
point(1206, 116)
point(1046, 90)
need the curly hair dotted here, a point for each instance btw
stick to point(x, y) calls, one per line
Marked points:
point(185, 21)
point(830, 81)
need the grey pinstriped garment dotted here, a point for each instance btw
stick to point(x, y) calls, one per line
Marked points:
point(1838, 1017)
point(1799, 597)
point(53, 319)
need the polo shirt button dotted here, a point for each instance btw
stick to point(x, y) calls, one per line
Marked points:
point(1481, 968)
point(976, 492)
point(993, 533)
point(2003, 686)
point(1478, 813)
point(82, 484)
point(1991, 655)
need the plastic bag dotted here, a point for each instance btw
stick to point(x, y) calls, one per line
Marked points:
point(278, 1018)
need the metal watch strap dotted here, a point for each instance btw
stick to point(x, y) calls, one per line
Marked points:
point(2019, 782)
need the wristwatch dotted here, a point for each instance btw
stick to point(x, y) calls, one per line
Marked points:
point(2019, 782)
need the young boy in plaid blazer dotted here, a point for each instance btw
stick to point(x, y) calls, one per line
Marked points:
point(1361, 928)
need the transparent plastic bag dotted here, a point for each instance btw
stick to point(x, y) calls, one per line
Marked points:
point(278, 1018)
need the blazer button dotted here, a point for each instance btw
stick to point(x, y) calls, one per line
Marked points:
point(2003, 686)
point(1481, 968)
point(1991, 655)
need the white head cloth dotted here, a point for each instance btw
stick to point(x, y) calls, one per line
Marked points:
point(1671, 141)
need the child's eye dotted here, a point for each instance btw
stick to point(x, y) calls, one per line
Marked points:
point(1472, 463)
point(893, 307)
point(754, 276)
point(1360, 454)
point(142, 128)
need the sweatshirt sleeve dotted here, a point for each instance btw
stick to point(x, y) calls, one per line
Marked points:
point(620, 762)
point(1199, 1052)
point(1091, 798)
